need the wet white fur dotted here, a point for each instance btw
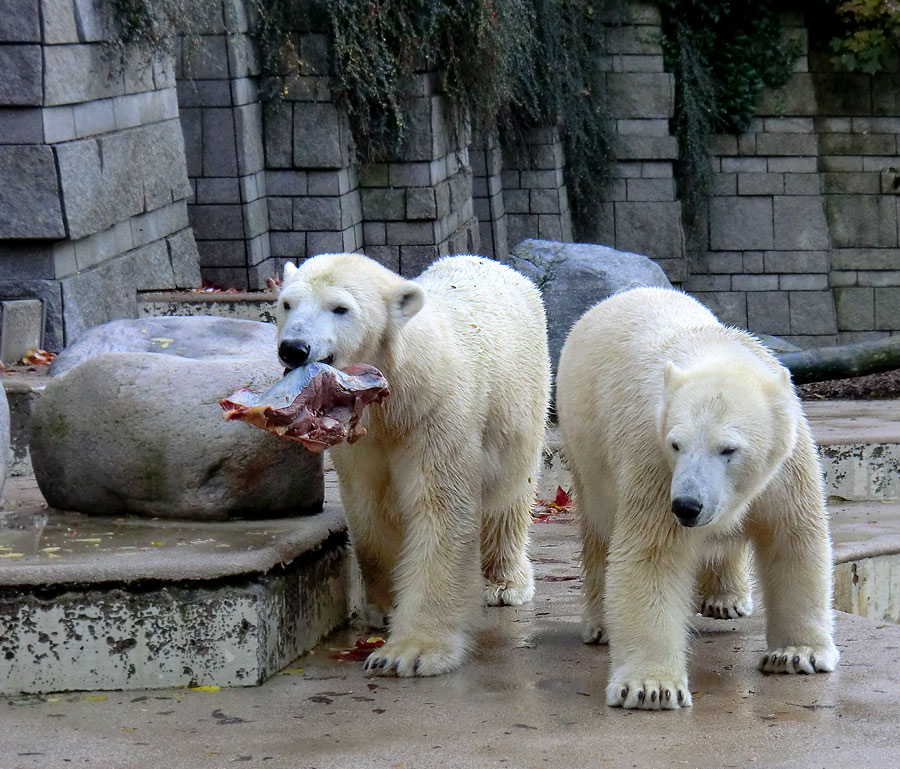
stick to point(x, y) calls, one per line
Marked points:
point(438, 494)
point(642, 371)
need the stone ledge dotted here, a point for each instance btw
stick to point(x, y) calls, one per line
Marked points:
point(65, 548)
point(124, 603)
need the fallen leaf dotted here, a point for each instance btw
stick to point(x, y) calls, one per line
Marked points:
point(164, 341)
point(12, 555)
point(291, 671)
point(95, 698)
point(210, 688)
point(36, 357)
point(359, 651)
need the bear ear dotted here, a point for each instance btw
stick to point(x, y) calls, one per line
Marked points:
point(784, 379)
point(672, 376)
point(407, 299)
point(290, 269)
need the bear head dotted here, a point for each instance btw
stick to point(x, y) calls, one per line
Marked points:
point(726, 428)
point(341, 309)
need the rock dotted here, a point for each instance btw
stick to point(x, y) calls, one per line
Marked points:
point(573, 277)
point(129, 422)
point(4, 438)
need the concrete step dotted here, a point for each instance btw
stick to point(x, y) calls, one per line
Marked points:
point(254, 305)
point(866, 539)
point(127, 603)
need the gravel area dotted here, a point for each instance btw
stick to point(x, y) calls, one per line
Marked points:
point(872, 387)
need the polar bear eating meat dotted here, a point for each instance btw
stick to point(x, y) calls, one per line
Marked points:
point(686, 441)
point(438, 493)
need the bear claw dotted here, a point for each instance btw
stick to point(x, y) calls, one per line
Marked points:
point(649, 693)
point(792, 660)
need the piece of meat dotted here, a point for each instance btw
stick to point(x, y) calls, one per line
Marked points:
point(318, 405)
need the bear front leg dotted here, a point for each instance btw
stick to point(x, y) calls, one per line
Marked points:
point(648, 602)
point(790, 530)
point(437, 586)
point(725, 582)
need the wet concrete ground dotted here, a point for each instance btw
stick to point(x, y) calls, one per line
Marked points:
point(531, 696)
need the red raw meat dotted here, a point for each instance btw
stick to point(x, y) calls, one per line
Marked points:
point(317, 405)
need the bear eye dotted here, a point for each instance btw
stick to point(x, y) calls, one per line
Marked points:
point(340, 310)
point(675, 446)
point(286, 305)
point(728, 451)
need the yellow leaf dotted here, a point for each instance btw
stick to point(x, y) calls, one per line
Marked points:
point(164, 341)
point(11, 555)
point(95, 698)
point(89, 539)
point(128, 728)
point(291, 671)
point(158, 544)
point(211, 688)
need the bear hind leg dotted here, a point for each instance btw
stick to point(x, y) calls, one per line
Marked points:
point(725, 584)
point(508, 574)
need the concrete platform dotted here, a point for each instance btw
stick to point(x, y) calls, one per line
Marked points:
point(531, 696)
point(92, 602)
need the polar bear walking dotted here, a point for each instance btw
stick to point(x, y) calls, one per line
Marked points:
point(438, 493)
point(685, 440)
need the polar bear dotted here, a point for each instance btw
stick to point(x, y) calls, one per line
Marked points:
point(686, 440)
point(438, 494)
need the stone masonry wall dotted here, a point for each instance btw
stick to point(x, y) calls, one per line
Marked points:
point(93, 193)
point(217, 71)
point(802, 233)
point(104, 168)
point(641, 212)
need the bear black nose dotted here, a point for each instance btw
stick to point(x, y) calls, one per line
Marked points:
point(293, 352)
point(687, 509)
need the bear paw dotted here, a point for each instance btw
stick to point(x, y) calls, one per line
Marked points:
point(507, 593)
point(652, 692)
point(800, 659)
point(593, 633)
point(407, 657)
point(727, 606)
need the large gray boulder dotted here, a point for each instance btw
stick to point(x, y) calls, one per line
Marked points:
point(573, 277)
point(4, 438)
point(129, 422)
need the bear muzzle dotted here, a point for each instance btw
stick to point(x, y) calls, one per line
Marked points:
point(687, 510)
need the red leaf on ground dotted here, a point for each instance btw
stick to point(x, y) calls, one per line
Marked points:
point(360, 651)
point(562, 498)
point(35, 357)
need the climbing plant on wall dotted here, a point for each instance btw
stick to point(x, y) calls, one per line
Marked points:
point(863, 35)
point(723, 53)
point(507, 64)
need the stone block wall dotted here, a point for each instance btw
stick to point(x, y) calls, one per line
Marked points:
point(641, 212)
point(801, 235)
point(312, 183)
point(93, 194)
point(486, 158)
point(418, 206)
point(112, 177)
point(217, 71)
point(535, 197)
